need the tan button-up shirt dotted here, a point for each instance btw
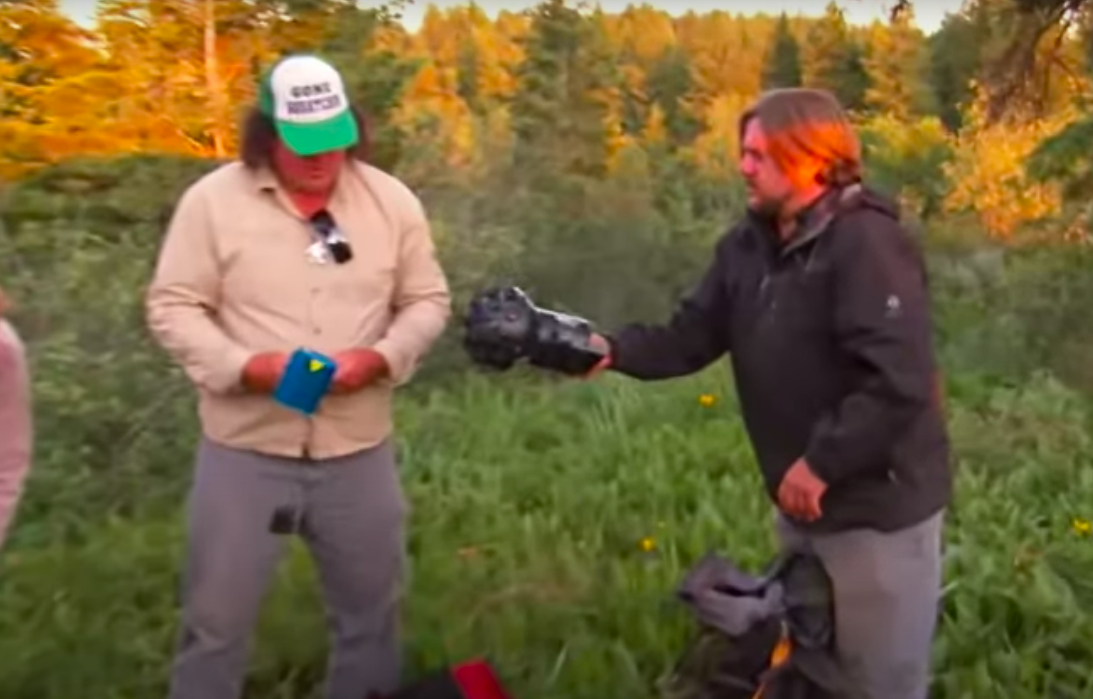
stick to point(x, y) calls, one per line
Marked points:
point(234, 279)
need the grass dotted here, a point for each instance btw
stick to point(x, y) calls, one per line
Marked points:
point(531, 502)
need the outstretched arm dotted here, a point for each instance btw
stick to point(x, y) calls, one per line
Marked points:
point(693, 338)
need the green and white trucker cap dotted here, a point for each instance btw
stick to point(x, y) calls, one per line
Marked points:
point(305, 97)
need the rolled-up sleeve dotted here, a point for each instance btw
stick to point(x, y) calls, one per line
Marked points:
point(422, 299)
point(16, 427)
point(184, 291)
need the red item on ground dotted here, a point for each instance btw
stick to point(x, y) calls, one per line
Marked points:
point(474, 679)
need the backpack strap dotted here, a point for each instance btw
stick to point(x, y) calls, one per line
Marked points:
point(724, 597)
point(779, 656)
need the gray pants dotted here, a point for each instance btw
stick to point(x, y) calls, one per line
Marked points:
point(887, 590)
point(353, 513)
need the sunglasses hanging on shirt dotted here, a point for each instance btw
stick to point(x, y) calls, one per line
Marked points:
point(330, 241)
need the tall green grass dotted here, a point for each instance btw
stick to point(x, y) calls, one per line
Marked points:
point(531, 500)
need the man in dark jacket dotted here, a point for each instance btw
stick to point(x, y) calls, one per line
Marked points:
point(819, 297)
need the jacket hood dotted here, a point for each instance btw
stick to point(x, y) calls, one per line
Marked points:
point(870, 198)
point(817, 218)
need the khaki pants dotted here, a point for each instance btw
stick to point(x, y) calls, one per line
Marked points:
point(887, 590)
point(353, 521)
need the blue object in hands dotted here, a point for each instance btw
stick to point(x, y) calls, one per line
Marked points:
point(305, 381)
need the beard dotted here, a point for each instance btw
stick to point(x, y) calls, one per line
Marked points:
point(769, 207)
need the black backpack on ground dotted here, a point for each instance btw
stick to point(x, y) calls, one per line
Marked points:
point(760, 637)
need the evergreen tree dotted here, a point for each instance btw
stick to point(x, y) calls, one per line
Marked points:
point(897, 65)
point(783, 62)
point(833, 61)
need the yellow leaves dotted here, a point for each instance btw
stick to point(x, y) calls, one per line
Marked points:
point(903, 139)
point(497, 57)
point(436, 36)
point(464, 39)
point(45, 37)
point(907, 153)
point(717, 148)
point(616, 139)
point(895, 64)
point(644, 32)
point(431, 82)
point(49, 90)
point(823, 52)
point(988, 174)
point(392, 39)
point(151, 63)
point(431, 99)
point(718, 58)
point(656, 128)
point(633, 77)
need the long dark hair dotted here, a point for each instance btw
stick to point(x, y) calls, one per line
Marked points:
point(258, 136)
point(807, 127)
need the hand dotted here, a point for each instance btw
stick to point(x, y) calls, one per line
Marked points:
point(599, 342)
point(800, 493)
point(357, 368)
point(263, 371)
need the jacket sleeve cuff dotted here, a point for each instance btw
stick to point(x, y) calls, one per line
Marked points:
point(612, 350)
point(822, 466)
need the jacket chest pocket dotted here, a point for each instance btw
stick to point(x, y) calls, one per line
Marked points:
point(795, 299)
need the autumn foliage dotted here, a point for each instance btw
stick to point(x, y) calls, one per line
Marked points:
point(591, 158)
point(555, 90)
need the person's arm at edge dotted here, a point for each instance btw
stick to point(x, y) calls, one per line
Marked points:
point(183, 292)
point(422, 302)
point(16, 431)
point(877, 262)
point(692, 339)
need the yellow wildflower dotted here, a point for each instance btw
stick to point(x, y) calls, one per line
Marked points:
point(647, 544)
point(1082, 527)
point(706, 400)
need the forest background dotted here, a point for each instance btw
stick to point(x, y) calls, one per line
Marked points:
point(588, 157)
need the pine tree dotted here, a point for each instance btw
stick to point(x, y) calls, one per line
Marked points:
point(896, 65)
point(783, 62)
point(833, 61)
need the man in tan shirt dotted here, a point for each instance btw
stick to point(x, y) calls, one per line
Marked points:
point(16, 422)
point(301, 244)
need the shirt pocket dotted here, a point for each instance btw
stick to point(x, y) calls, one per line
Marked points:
point(370, 278)
point(265, 268)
